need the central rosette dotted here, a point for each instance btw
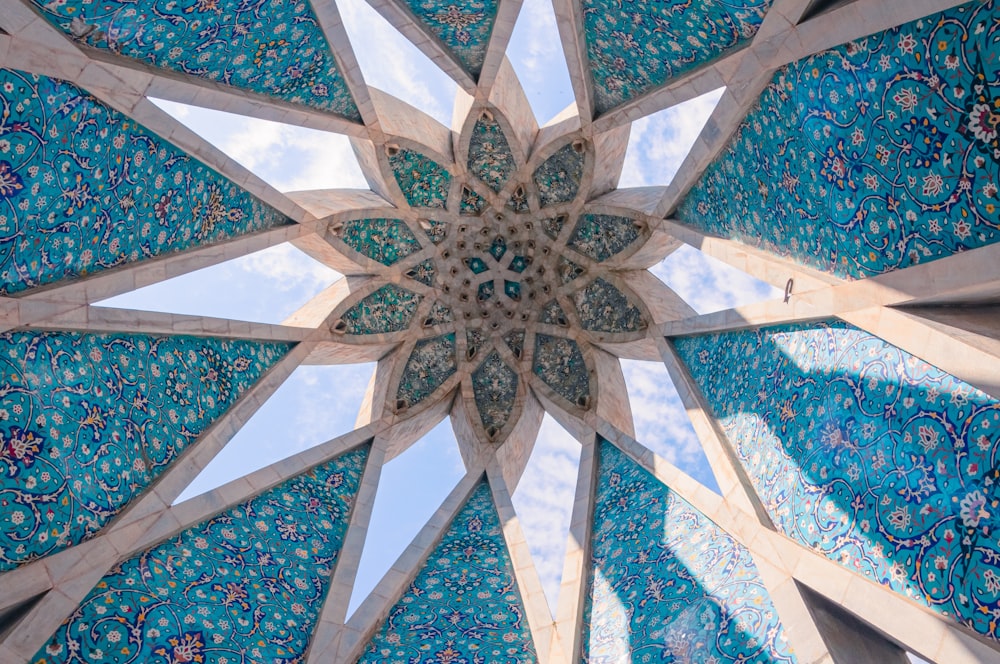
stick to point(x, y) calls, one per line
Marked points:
point(491, 276)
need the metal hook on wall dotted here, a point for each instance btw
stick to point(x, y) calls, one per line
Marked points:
point(788, 290)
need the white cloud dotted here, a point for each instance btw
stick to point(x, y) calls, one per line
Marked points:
point(536, 54)
point(708, 284)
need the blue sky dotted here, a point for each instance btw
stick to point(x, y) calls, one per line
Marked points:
point(319, 403)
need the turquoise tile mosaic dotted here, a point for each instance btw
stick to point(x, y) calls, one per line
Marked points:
point(464, 606)
point(494, 386)
point(423, 272)
point(515, 341)
point(245, 586)
point(867, 454)
point(874, 156)
point(88, 421)
point(273, 49)
point(388, 309)
point(84, 188)
point(558, 178)
point(601, 236)
point(464, 27)
point(472, 204)
point(384, 240)
point(490, 158)
point(604, 308)
point(553, 314)
point(560, 364)
point(634, 47)
point(431, 362)
point(423, 181)
point(666, 584)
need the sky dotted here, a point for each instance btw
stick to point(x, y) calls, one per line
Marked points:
point(317, 403)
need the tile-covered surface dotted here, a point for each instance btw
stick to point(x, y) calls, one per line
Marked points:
point(388, 309)
point(604, 308)
point(439, 313)
point(634, 47)
point(665, 583)
point(464, 606)
point(472, 204)
point(494, 386)
point(568, 270)
point(560, 364)
point(384, 240)
point(874, 156)
point(490, 158)
point(463, 27)
point(436, 231)
point(423, 272)
point(866, 454)
point(553, 314)
point(245, 586)
point(601, 236)
point(515, 341)
point(558, 178)
point(518, 201)
point(84, 188)
point(88, 421)
point(273, 49)
point(423, 181)
point(431, 362)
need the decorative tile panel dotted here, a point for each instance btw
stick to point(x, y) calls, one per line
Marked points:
point(601, 236)
point(84, 188)
point(604, 308)
point(273, 49)
point(464, 606)
point(245, 586)
point(874, 156)
point(518, 201)
point(430, 364)
point(568, 270)
point(638, 46)
point(494, 386)
point(553, 314)
point(558, 178)
point(384, 240)
point(463, 27)
point(472, 204)
point(667, 584)
point(88, 421)
point(423, 181)
point(560, 364)
point(552, 226)
point(490, 158)
point(439, 314)
point(866, 454)
point(423, 272)
point(436, 230)
point(515, 341)
point(389, 309)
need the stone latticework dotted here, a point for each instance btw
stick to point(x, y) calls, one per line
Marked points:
point(495, 272)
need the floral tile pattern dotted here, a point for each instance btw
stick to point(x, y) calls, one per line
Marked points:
point(558, 178)
point(601, 236)
point(464, 27)
point(560, 364)
point(384, 240)
point(874, 156)
point(430, 364)
point(273, 49)
point(635, 47)
point(490, 158)
point(88, 421)
point(667, 584)
point(604, 308)
point(389, 309)
point(245, 586)
point(423, 181)
point(866, 454)
point(464, 606)
point(120, 195)
point(494, 386)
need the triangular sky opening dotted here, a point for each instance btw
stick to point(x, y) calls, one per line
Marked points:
point(535, 52)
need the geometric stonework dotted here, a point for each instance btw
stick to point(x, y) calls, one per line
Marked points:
point(217, 41)
point(88, 421)
point(464, 27)
point(847, 166)
point(464, 605)
point(634, 47)
point(867, 454)
point(560, 364)
point(246, 585)
point(666, 582)
point(125, 195)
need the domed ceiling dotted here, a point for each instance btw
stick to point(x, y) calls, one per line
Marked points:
point(495, 272)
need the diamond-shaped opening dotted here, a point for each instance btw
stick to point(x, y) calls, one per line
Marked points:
point(264, 287)
point(708, 284)
point(659, 142)
point(536, 54)
point(287, 157)
point(661, 421)
point(410, 489)
point(297, 417)
point(396, 64)
point(544, 503)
